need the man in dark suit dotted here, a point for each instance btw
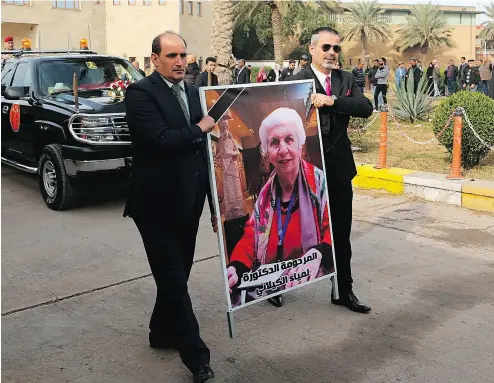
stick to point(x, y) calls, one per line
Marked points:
point(338, 98)
point(202, 78)
point(169, 185)
point(242, 73)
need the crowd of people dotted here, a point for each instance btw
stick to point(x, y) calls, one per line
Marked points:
point(472, 75)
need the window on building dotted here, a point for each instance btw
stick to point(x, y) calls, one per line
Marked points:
point(116, 2)
point(147, 63)
point(199, 9)
point(161, 2)
point(181, 6)
point(385, 17)
point(65, 4)
point(190, 7)
point(132, 2)
point(22, 77)
point(17, 2)
point(146, 2)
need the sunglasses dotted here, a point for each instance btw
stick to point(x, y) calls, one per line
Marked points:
point(327, 47)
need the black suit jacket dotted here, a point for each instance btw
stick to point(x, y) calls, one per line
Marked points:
point(243, 77)
point(202, 79)
point(166, 151)
point(340, 164)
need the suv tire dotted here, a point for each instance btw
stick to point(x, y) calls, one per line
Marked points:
point(58, 189)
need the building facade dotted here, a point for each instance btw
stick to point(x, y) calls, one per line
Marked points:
point(461, 20)
point(123, 28)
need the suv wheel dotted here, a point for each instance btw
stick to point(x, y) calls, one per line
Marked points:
point(57, 188)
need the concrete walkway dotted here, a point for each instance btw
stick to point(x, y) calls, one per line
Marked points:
point(77, 296)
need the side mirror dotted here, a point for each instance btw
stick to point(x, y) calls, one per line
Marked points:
point(14, 93)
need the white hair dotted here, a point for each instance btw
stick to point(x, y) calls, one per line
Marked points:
point(280, 117)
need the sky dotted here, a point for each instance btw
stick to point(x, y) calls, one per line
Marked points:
point(479, 4)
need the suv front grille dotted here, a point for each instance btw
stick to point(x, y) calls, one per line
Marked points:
point(100, 129)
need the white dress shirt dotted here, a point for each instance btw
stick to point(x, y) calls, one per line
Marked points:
point(182, 92)
point(321, 76)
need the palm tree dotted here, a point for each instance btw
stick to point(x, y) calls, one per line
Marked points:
point(221, 39)
point(487, 32)
point(426, 27)
point(279, 8)
point(363, 22)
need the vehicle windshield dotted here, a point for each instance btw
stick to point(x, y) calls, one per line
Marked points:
point(93, 73)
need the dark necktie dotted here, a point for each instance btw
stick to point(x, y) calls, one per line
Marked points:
point(176, 90)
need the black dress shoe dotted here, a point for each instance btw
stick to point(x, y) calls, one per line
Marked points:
point(351, 301)
point(276, 301)
point(204, 375)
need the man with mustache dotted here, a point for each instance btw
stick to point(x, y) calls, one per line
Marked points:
point(168, 189)
point(338, 98)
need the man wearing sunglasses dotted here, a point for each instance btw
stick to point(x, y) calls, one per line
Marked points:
point(338, 98)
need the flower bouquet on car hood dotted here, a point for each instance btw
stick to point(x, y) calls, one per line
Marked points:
point(118, 88)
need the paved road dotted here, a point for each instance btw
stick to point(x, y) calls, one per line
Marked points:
point(77, 296)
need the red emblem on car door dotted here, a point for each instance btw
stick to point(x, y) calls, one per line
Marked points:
point(15, 117)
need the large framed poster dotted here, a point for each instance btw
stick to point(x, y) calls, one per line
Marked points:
point(269, 189)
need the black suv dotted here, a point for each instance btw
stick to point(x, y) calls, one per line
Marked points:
point(63, 116)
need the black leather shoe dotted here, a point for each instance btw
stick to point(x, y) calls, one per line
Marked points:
point(204, 375)
point(276, 301)
point(351, 301)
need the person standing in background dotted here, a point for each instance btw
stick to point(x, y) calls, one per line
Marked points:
point(485, 77)
point(192, 70)
point(203, 77)
point(400, 74)
point(9, 43)
point(242, 74)
point(414, 72)
point(436, 77)
point(451, 74)
point(381, 76)
point(303, 63)
point(287, 73)
point(261, 76)
point(273, 74)
point(359, 75)
point(471, 77)
point(373, 80)
point(135, 64)
point(463, 66)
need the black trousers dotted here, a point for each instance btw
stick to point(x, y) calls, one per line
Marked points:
point(340, 204)
point(380, 88)
point(170, 250)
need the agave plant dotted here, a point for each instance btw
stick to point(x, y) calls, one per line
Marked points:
point(411, 106)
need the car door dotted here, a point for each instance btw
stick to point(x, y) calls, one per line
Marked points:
point(22, 114)
point(7, 74)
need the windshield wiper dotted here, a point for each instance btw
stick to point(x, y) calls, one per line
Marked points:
point(55, 92)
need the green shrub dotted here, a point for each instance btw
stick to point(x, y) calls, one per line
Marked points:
point(357, 123)
point(410, 106)
point(480, 110)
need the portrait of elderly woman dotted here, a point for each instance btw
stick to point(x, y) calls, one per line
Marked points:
point(290, 215)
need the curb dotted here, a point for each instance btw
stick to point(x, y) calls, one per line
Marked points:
point(468, 193)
